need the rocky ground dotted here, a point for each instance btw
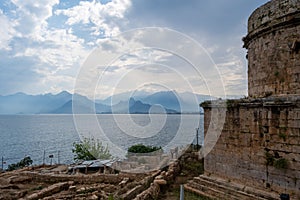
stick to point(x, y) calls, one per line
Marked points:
point(53, 182)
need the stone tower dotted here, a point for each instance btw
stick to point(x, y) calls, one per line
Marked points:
point(273, 44)
point(257, 155)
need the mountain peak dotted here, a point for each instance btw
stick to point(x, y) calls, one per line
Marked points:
point(63, 93)
point(61, 103)
point(19, 94)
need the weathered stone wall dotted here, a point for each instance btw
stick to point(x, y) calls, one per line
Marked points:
point(259, 145)
point(259, 137)
point(273, 44)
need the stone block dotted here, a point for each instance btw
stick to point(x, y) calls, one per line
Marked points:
point(295, 149)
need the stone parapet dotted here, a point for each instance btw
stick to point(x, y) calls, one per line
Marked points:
point(272, 15)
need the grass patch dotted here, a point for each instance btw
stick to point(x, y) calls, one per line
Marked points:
point(192, 196)
point(111, 197)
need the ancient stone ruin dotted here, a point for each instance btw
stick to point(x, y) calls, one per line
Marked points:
point(257, 155)
point(273, 45)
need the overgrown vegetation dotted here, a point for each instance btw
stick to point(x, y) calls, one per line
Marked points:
point(282, 136)
point(205, 104)
point(140, 148)
point(190, 166)
point(90, 149)
point(25, 162)
point(194, 168)
point(279, 163)
point(232, 103)
point(190, 163)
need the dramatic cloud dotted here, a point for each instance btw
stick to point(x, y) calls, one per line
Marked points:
point(7, 31)
point(43, 44)
point(32, 15)
point(102, 17)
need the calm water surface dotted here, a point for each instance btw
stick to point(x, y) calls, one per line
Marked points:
point(39, 135)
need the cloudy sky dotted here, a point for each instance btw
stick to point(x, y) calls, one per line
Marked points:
point(106, 47)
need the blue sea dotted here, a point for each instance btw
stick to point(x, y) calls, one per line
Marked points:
point(40, 136)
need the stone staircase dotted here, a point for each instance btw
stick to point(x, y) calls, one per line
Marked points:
point(216, 188)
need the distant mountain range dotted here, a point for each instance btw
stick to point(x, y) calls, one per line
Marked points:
point(130, 102)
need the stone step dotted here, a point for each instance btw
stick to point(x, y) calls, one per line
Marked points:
point(198, 192)
point(233, 192)
point(218, 183)
point(239, 187)
point(222, 189)
point(208, 191)
point(212, 190)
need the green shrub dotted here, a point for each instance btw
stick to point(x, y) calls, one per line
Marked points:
point(279, 163)
point(90, 149)
point(25, 162)
point(140, 148)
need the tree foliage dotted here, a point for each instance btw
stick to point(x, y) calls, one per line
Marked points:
point(140, 148)
point(25, 162)
point(90, 149)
